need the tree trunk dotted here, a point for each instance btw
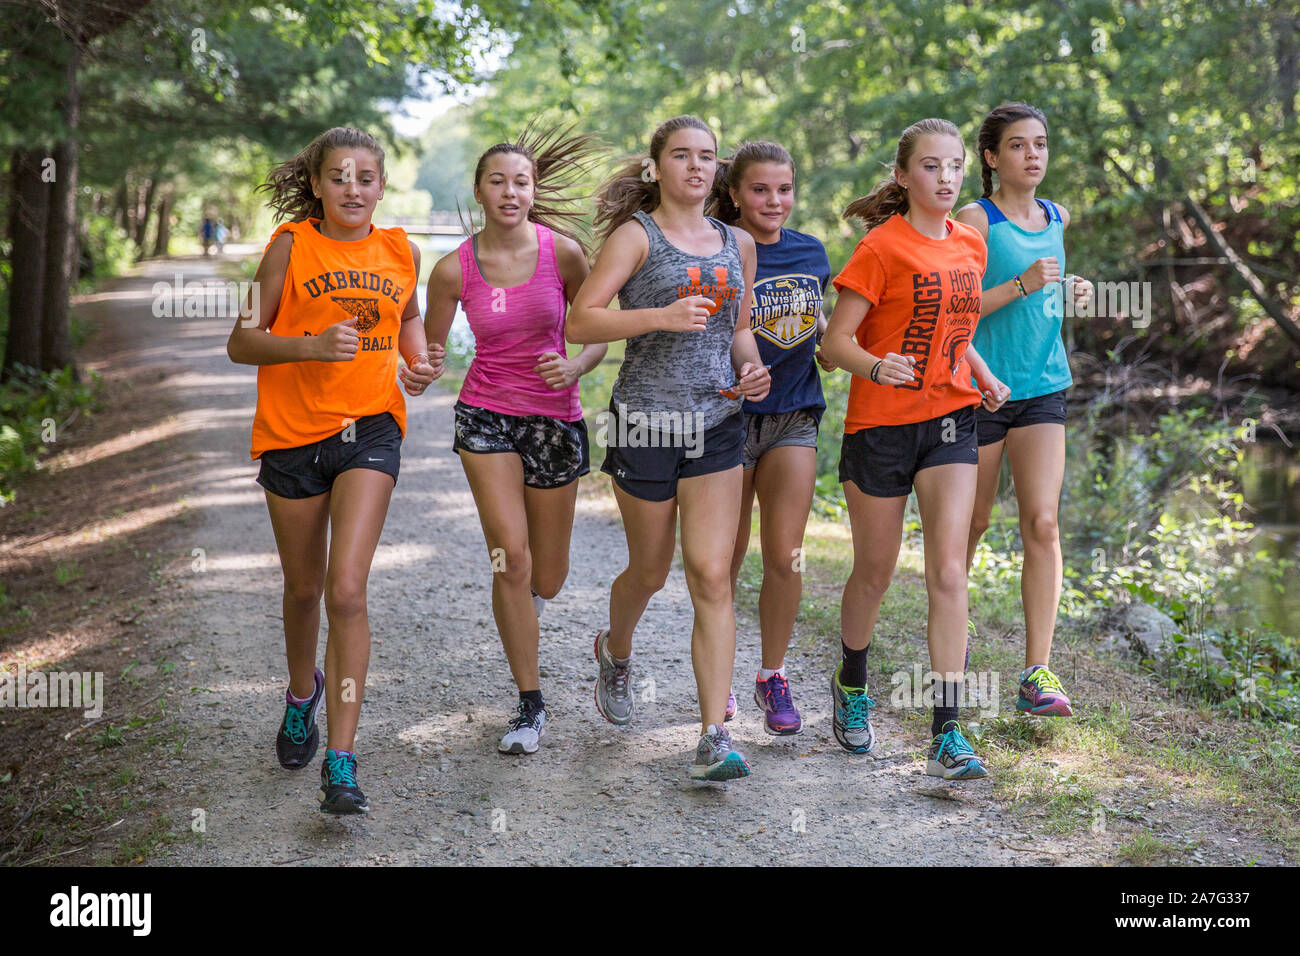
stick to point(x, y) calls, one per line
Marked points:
point(1288, 65)
point(61, 238)
point(146, 208)
point(124, 205)
point(160, 246)
point(29, 212)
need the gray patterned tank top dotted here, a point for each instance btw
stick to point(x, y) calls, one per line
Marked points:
point(677, 373)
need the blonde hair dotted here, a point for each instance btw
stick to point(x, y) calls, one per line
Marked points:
point(290, 183)
point(889, 197)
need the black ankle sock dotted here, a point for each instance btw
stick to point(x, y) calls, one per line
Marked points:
point(532, 696)
point(945, 705)
point(854, 671)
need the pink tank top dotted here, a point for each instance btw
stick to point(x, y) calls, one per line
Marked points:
point(512, 328)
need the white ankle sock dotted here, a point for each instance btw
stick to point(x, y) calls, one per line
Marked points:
point(765, 674)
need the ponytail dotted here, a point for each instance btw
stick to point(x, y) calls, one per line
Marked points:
point(882, 202)
point(633, 187)
point(889, 197)
point(290, 183)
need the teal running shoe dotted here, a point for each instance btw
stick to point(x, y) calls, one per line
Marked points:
point(715, 760)
point(339, 792)
point(298, 737)
point(952, 757)
point(851, 720)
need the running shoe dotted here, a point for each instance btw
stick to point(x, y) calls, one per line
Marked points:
point(526, 729)
point(539, 603)
point(731, 706)
point(851, 720)
point(951, 756)
point(339, 792)
point(298, 738)
point(780, 718)
point(614, 697)
point(1041, 694)
point(715, 760)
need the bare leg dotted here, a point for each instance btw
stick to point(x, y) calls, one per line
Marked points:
point(301, 535)
point(358, 506)
point(986, 493)
point(497, 482)
point(651, 530)
point(877, 536)
point(1037, 456)
point(785, 479)
point(710, 511)
point(946, 495)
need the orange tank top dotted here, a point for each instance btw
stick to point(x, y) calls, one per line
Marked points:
point(327, 282)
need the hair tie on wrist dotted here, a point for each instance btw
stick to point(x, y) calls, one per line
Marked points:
point(875, 369)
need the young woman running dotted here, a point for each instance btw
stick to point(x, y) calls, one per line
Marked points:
point(756, 193)
point(1019, 336)
point(910, 294)
point(519, 428)
point(338, 305)
point(675, 437)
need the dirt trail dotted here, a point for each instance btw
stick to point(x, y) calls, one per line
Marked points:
point(439, 692)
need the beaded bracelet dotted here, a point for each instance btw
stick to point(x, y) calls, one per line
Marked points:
point(1021, 286)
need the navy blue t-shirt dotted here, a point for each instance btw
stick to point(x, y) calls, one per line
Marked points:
point(789, 281)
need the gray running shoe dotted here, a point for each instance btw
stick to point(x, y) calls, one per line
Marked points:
point(952, 757)
point(539, 603)
point(715, 760)
point(614, 696)
point(851, 715)
point(525, 731)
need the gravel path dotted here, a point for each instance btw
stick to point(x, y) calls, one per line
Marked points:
point(439, 693)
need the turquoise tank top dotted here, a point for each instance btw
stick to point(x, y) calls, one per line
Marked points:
point(1021, 342)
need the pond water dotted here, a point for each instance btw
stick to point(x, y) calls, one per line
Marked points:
point(1271, 482)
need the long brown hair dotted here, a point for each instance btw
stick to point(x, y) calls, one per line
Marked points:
point(889, 197)
point(290, 183)
point(631, 188)
point(562, 160)
point(731, 173)
point(990, 136)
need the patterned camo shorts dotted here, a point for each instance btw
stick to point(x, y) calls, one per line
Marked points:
point(554, 452)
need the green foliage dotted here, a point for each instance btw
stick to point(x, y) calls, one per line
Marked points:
point(36, 405)
point(1157, 514)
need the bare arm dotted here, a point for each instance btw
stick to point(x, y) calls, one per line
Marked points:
point(592, 320)
point(574, 271)
point(441, 297)
point(1035, 276)
point(754, 378)
point(250, 343)
point(421, 368)
point(841, 350)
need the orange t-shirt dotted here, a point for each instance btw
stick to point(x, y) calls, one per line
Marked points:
point(327, 281)
point(925, 302)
